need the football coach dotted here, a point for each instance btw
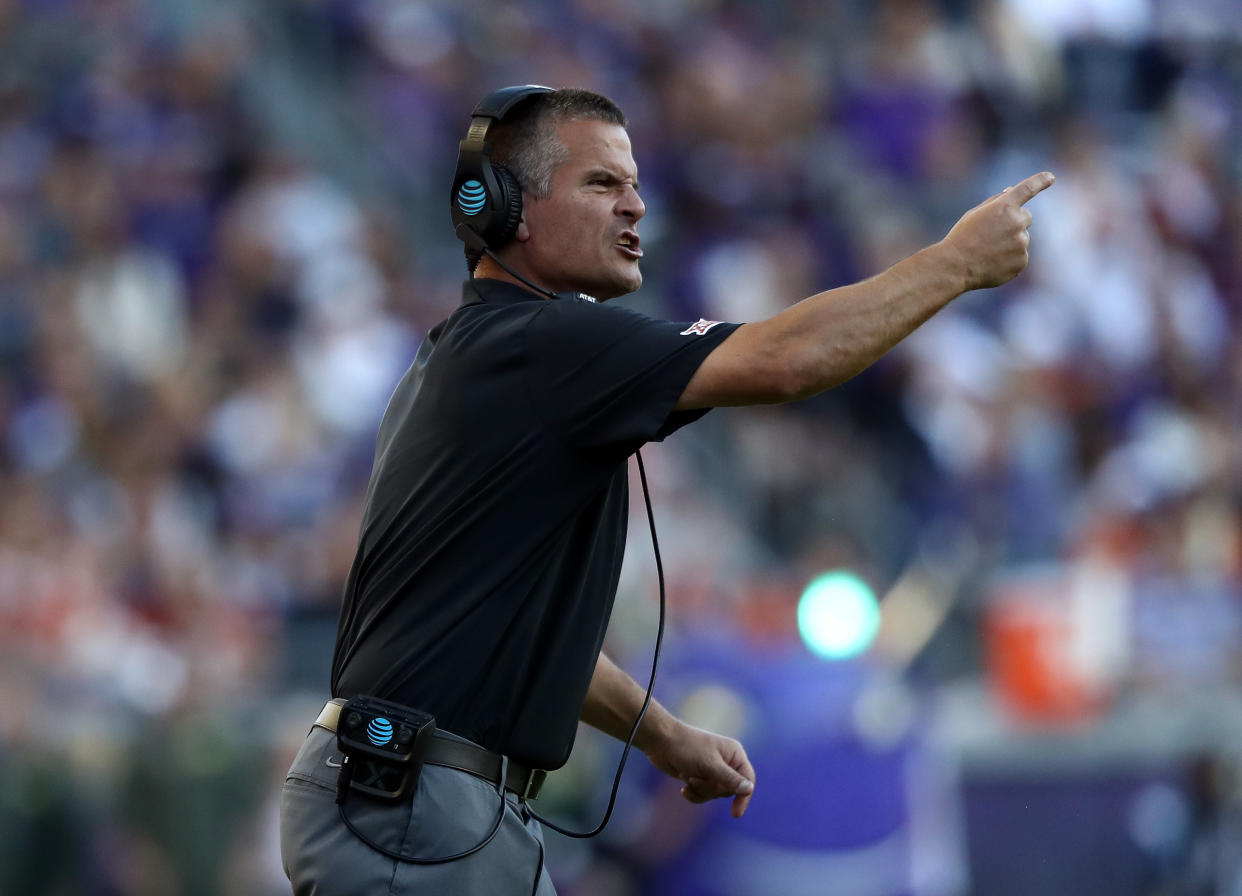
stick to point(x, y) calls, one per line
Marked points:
point(469, 643)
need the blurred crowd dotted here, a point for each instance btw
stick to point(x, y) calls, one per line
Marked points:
point(224, 230)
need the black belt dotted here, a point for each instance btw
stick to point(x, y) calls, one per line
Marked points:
point(525, 782)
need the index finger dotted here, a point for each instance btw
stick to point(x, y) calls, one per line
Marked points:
point(739, 805)
point(1030, 187)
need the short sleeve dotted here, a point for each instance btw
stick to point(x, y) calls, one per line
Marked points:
point(610, 376)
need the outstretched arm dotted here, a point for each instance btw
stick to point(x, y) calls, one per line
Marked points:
point(824, 340)
point(709, 765)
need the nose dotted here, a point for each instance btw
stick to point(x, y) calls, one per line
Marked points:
point(631, 205)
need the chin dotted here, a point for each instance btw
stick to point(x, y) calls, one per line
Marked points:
point(604, 282)
point(603, 295)
point(628, 283)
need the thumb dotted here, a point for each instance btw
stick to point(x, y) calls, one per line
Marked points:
point(723, 782)
point(733, 780)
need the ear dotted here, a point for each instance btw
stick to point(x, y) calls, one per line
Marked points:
point(523, 231)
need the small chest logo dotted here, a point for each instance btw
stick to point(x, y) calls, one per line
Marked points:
point(700, 328)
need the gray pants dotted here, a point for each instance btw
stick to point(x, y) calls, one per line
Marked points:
point(451, 811)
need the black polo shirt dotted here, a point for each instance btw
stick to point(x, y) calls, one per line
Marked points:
point(495, 519)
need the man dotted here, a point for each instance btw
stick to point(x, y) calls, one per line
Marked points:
point(496, 514)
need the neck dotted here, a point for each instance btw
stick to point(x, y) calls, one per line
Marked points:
point(494, 268)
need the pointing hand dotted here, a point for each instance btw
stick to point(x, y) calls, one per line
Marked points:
point(990, 241)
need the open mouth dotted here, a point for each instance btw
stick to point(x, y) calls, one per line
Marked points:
point(628, 244)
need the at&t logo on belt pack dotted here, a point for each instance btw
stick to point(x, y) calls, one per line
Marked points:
point(379, 731)
point(384, 744)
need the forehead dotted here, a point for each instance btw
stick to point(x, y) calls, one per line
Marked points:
point(592, 143)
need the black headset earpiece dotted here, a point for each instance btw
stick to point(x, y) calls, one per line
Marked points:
point(510, 202)
point(486, 198)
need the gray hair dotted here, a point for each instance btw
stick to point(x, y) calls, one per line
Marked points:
point(526, 142)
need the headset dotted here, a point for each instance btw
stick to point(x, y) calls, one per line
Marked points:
point(487, 198)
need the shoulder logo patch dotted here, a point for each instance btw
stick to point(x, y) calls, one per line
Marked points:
point(700, 328)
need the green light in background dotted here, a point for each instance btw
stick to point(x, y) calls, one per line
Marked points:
point(838, 615)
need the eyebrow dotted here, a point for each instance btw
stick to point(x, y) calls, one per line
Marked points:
point(611, 176)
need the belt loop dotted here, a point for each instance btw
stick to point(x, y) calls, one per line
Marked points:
point(534, 784)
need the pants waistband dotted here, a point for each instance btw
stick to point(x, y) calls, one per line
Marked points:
point(459, 754)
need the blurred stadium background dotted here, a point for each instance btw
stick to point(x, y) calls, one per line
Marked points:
point(224, 229)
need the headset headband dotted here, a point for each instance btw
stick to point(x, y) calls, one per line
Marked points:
point(498, 103)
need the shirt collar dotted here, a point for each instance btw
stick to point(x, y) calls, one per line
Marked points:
point(501, 292)
point(497, 292)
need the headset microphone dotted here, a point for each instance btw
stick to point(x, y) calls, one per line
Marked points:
point(492, 255)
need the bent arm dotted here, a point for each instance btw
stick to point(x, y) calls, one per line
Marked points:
point(824, 340)
point(710, 766)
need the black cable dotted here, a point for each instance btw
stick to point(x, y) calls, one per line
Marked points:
point(439, 860)
point(538, 872)
point(492, 255)
point(629, 743)
point(625, 753)
point(655, 662)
